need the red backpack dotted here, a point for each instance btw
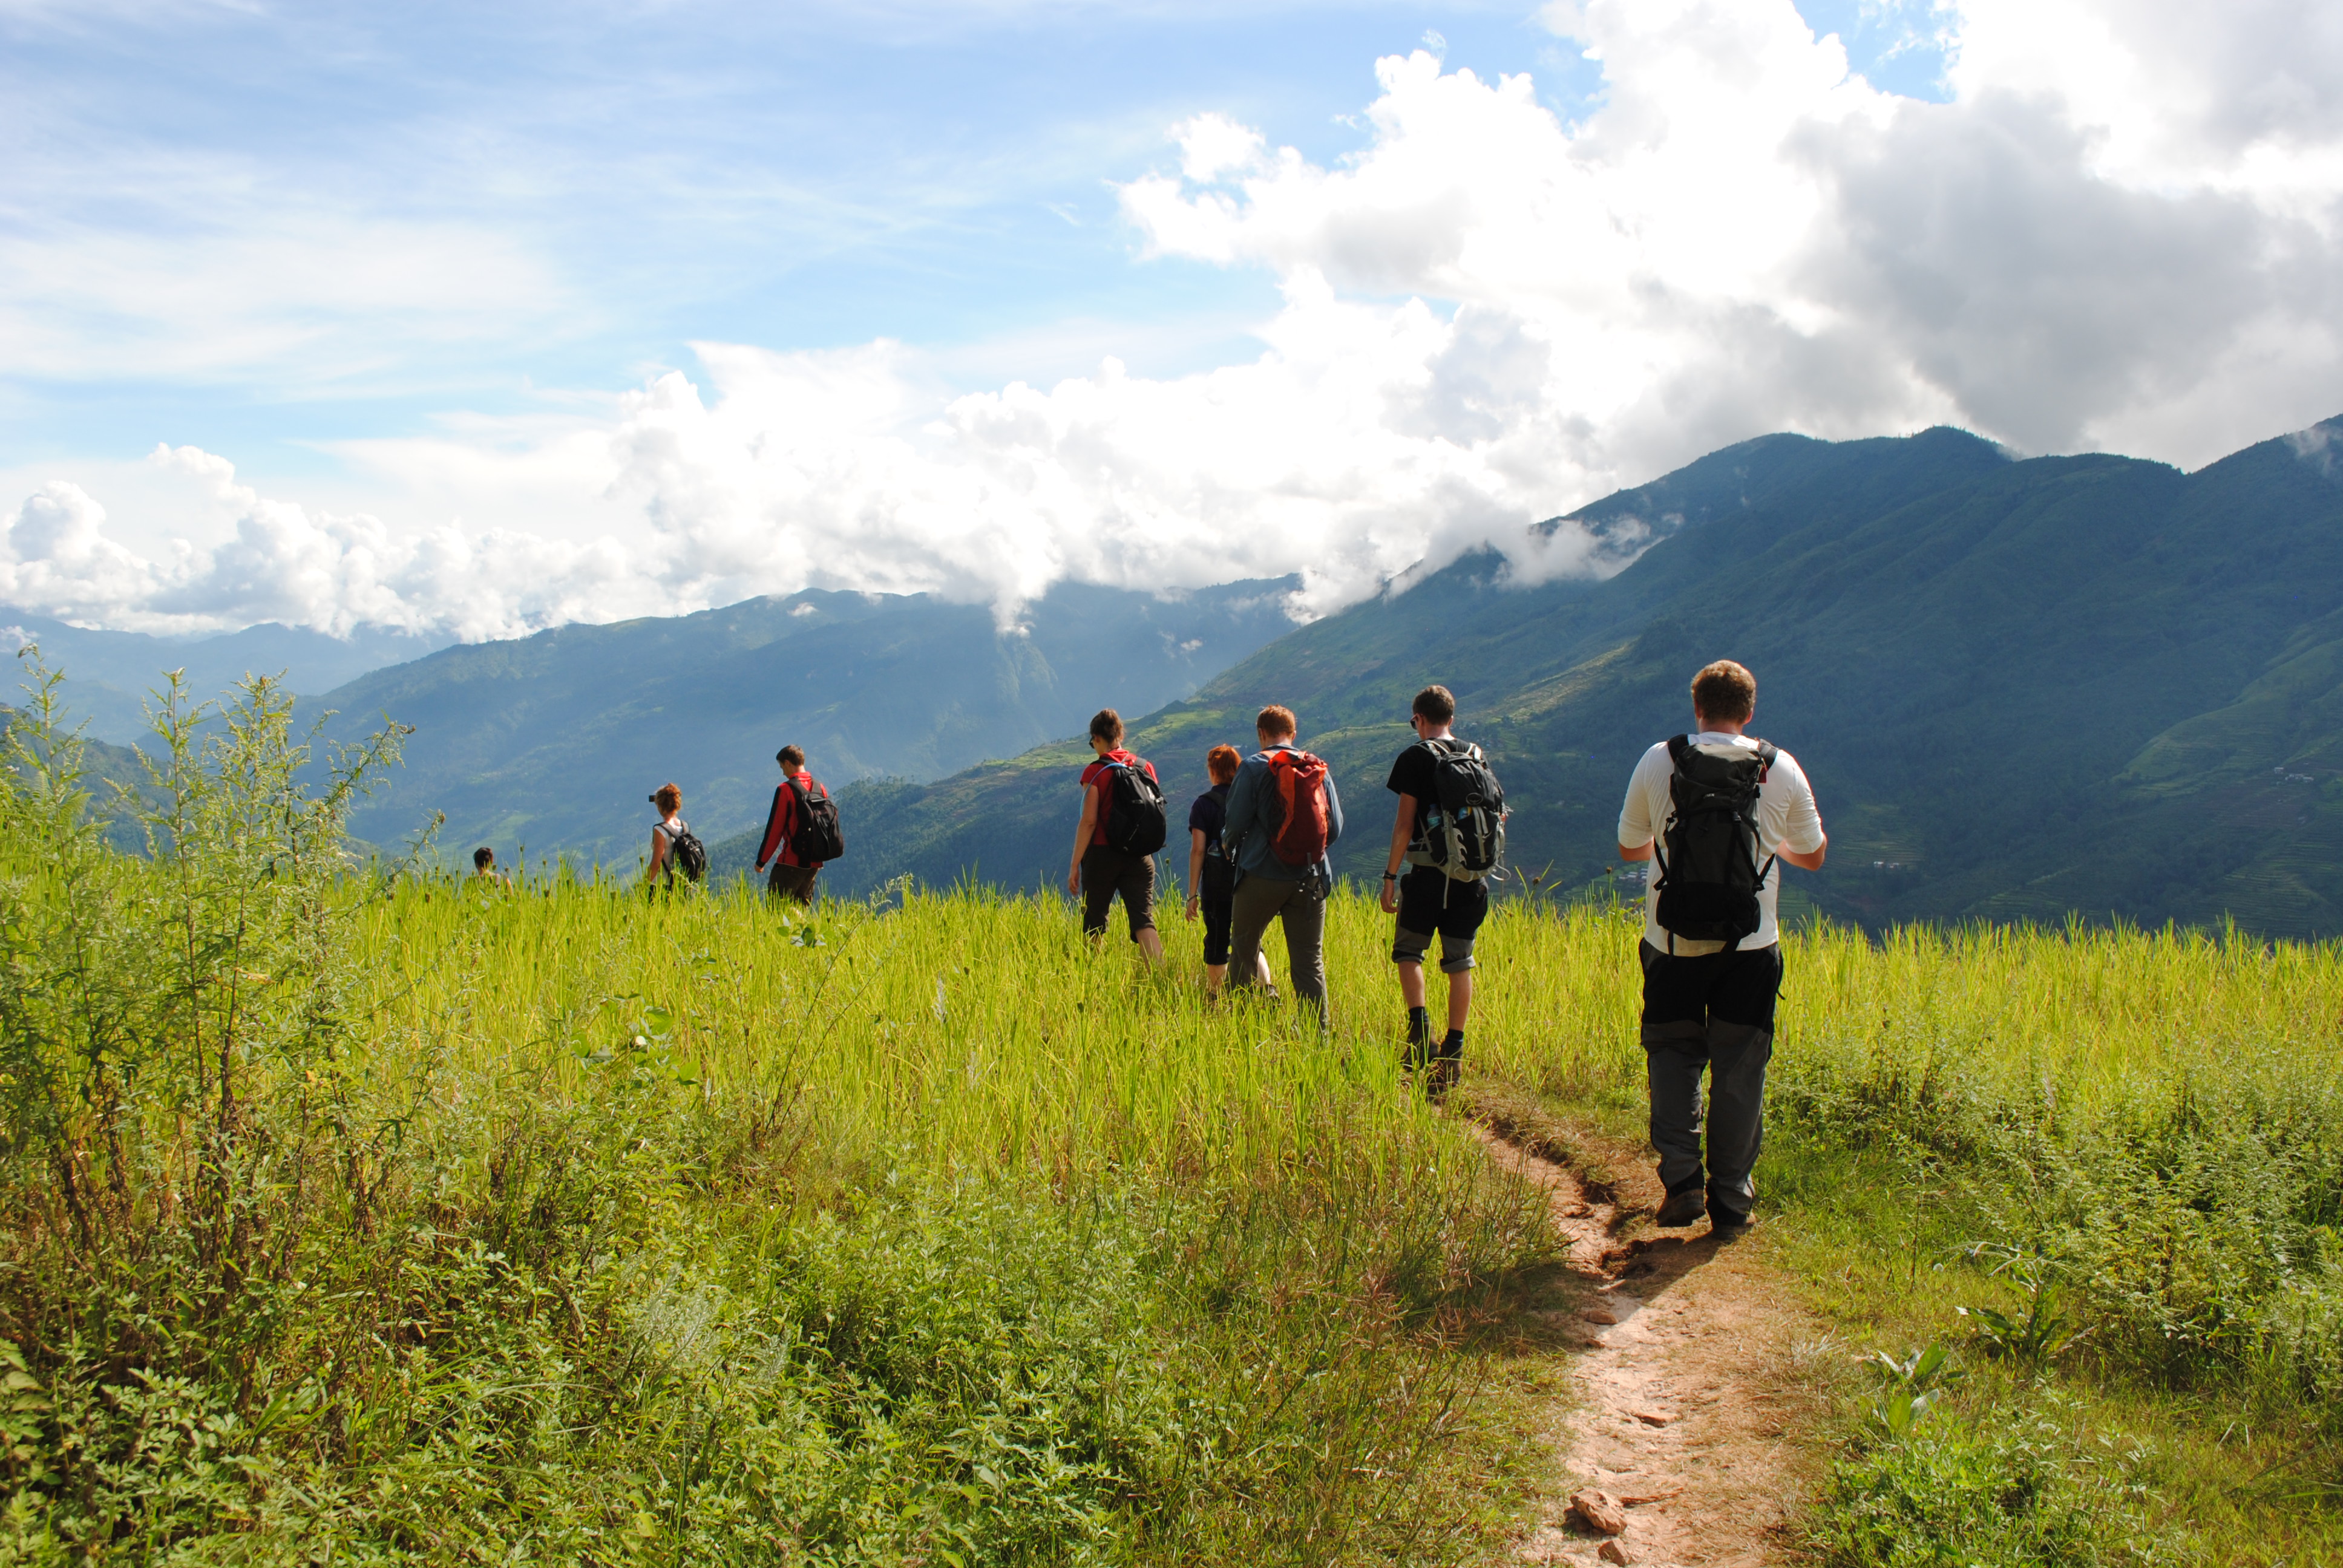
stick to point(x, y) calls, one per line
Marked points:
point(1298, 786)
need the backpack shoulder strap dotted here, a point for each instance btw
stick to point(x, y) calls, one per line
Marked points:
point(1766, 753)
point(1679, 747)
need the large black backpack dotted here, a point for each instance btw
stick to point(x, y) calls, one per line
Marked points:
point(1464, 827)
point(1135, 822)
point(1709, 874)
point(817, 840)
point(685, 852)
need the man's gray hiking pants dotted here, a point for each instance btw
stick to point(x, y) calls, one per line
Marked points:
point(1301, 907)
point(1713, 1014)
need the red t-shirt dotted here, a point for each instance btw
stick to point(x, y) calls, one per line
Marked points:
point(1095, 778)
point(783, 821)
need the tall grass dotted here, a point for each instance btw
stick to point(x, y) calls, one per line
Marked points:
point(358, 1212)
point(370, 1215)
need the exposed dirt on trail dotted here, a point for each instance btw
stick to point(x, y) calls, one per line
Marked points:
point(1690, 1401)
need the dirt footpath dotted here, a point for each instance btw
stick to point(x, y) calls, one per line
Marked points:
point(1687, 1376)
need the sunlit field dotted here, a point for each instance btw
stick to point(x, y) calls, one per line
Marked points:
point(360, 1213)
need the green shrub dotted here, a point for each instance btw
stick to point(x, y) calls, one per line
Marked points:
point(2011, 1490)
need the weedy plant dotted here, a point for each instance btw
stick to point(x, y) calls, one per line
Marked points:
point(2041, 1333)
point(1910, 1388)
point(357, 1211)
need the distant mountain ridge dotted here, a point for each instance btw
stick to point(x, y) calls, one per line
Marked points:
point(110, 673)
point(2023, 688)
point(553, 741)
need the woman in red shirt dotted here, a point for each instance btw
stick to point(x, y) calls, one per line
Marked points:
point(1100, 871)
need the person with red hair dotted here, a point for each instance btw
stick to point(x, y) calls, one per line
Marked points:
point(1211, 875)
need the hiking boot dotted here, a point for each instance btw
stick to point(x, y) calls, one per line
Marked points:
point(1442, 1077)
point(1682, 1209)
point(1419, 1040)
point(1725, 1225)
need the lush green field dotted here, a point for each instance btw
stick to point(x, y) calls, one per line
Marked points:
point(366, 1217)
point(2103, 1169)
point(353, 1216)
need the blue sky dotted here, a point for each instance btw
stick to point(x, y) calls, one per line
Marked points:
point(477, 318)
point(794, 177)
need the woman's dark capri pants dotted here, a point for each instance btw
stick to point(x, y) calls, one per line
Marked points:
point(1107, 871)
point(1215, 900)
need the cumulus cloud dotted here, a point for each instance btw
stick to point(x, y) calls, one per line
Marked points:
point(2124, 229)
point(278, 560)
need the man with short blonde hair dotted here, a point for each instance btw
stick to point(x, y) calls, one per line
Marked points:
point(1719, 811)
point(1283, 816)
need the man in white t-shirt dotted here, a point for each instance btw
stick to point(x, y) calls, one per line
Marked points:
point(1708, 1004)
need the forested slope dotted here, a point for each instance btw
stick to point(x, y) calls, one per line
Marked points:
point(2023, 688)
point(553, 741)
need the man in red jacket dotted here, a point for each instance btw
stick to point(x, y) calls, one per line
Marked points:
point(792, 877)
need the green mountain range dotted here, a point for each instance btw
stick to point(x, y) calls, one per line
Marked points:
point(112, 672)
point(2023, 689)
point(553, 741)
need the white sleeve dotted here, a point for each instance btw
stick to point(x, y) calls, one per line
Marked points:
point(1638, 825)
point(1786, 809)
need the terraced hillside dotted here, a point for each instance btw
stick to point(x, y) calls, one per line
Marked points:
point(2086, 685)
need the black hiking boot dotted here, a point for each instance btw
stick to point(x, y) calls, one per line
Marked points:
point(1682, 1208)
point(1446, 1066)
point(1419, 1039)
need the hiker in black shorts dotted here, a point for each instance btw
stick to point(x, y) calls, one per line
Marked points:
point(1100, 870)
point(1711, 948)
point(1211, 875)
point(1427, 899)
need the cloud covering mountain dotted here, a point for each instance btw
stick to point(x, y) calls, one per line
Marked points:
point(2123, 228)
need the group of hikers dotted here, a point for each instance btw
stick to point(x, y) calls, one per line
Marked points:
point(1716, 810)
point(1259, 845)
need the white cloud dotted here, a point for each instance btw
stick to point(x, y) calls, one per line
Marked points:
point(277, 560)
point(2096, 242)
point(218, 275)
point(2122, 231)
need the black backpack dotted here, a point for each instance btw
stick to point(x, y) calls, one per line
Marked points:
point(1709, 874)
point(816, 839)
point(685, 852)
point(1135, 822)
point(1463, 829)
